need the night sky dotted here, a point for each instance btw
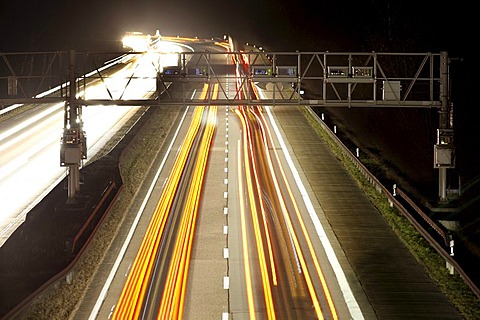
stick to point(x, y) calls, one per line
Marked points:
point(292, 25)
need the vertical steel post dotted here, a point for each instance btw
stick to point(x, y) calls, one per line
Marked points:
point(349, 85)
point(299, 75)
point(324, 84)
point(374, 76)
point(73, 169)
point(274, 84)
point(443, 120)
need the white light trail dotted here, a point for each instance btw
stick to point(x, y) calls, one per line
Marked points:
point(30, 151)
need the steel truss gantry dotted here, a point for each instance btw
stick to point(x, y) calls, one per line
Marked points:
point(327, 79)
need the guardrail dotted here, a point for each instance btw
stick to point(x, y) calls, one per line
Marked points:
point(105, 194)
point(68, 272)
point(439, 248)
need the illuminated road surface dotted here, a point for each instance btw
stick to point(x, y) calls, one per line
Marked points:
point(30, 142)
point(283, 269)
point(157, 281)
point(277, 268)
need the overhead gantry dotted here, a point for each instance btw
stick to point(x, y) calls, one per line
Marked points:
point(333, 79)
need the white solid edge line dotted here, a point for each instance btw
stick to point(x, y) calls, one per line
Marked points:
point(350, 300)
point(116, 265)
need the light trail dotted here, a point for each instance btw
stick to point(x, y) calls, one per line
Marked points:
point(29, 151)
point(259, 188)
point(305, 233)
point(36, 118)
point(134, 296)
point(172, 303)
point(349, 298)
point(291, 229)
point(254, 213)
point(173, 298)
point(262, 183)
point(123, 250)
point(246, 259)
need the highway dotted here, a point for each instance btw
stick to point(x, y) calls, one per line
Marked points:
point(269, 257)
point(30, 155)
point(227, 226)
point(29, 142)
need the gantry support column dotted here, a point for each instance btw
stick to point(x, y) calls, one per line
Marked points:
point(73, 146)
point(444, 150)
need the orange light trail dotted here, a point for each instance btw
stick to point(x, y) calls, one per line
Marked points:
point(131, 300)
point(251, 167)
point(254, 166)
point(306, 236)
point(173, 299)
point(258, 236)
point(246, 259)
